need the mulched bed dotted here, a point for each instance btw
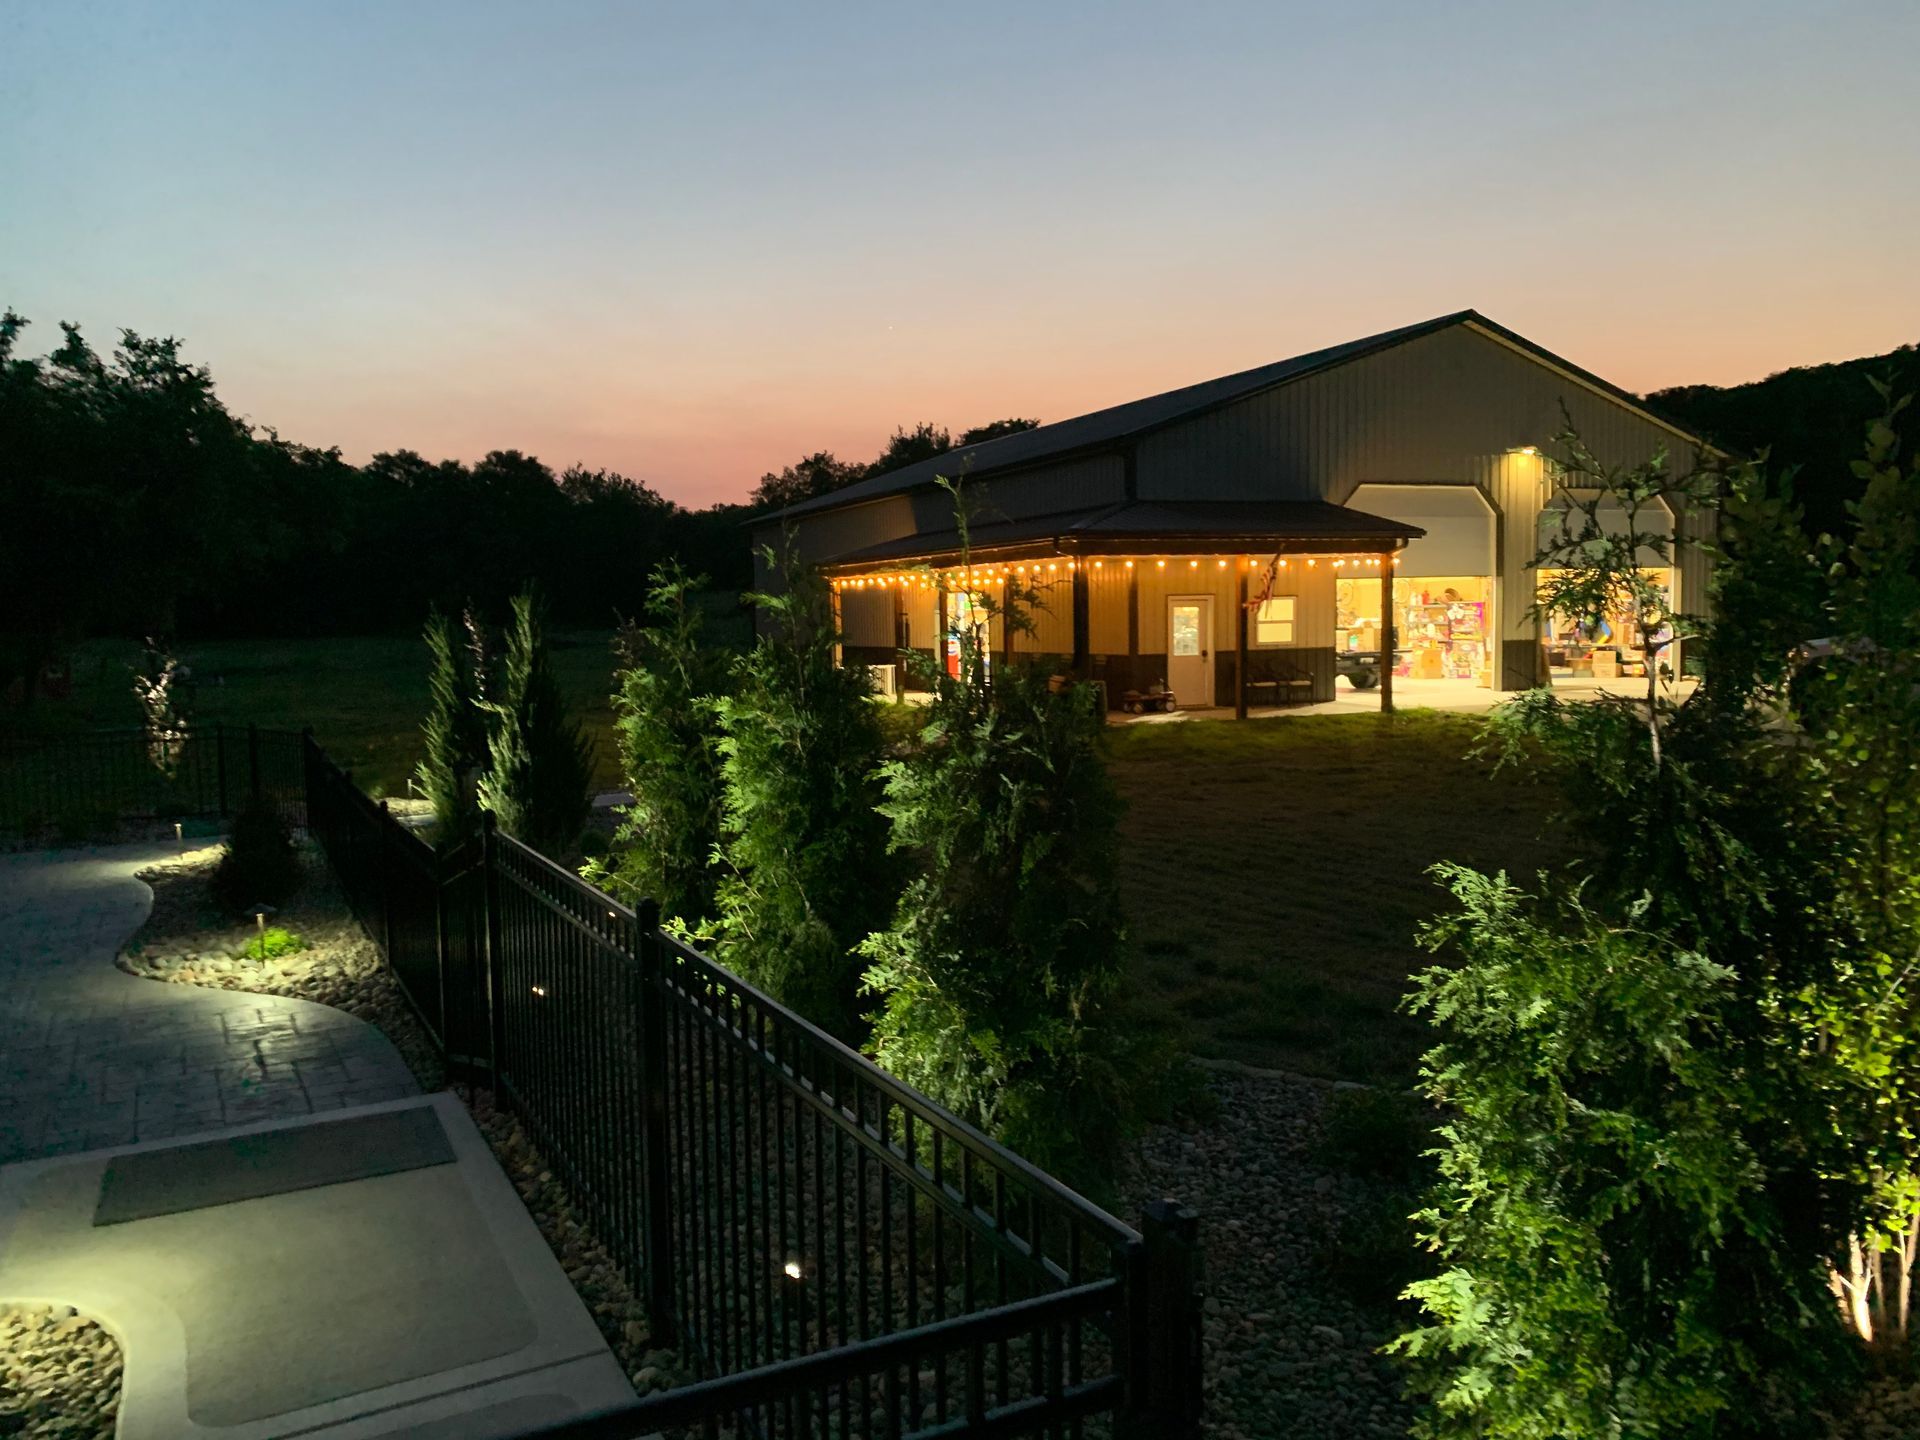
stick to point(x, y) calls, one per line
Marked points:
point(59, 1375)
point(188, 939)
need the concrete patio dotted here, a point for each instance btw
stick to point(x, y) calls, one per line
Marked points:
point(415, 1298)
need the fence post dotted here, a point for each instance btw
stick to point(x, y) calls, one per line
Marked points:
point(253, 765)
point(307, 748)
point(496, 995)
point(440, 883)
point(1164, 1359)
point(656, 1175)
point(383, 865)
point(220, 763)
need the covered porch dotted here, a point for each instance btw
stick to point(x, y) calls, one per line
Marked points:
point(1230, 606)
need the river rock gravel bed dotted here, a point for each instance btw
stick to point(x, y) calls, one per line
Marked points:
point(59, 1375)
point(1287, 1355)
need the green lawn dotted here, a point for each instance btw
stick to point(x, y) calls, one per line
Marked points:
point(364, 696)
point(1274, 873)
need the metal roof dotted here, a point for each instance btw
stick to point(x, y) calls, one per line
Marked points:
point(1205, 526)
point(1106, 429)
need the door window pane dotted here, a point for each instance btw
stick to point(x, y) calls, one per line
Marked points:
point(1186, 629)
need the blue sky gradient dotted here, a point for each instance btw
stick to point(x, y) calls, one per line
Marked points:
point(692, 242)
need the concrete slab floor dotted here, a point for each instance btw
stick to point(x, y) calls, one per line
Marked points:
point(420, 1303)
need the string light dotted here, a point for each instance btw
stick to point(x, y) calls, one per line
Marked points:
point(1223, 564)
point(1161, 563)
point(1096, 564)
point(1193, 564)
point(1129, 564)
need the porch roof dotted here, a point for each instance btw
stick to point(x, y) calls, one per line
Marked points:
point(1184, 527)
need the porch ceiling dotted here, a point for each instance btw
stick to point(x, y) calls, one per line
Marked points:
point(1150, 527)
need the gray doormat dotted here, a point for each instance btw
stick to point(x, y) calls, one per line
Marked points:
point(247, 1167)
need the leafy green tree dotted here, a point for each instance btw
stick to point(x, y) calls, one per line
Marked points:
point(1646, 1171)
point(1806, 421)
point(910, 447)
point(1617, 1261)
point(670, 755)
point(1000, 974)
point(994, 429)
point(455, 730)
point(806, 872)
point(1857, 754)
point(539, 765)
point(808, 478)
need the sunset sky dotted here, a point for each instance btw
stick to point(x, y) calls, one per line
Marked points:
point(693, 242)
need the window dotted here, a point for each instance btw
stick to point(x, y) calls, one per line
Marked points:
point(1273, 621)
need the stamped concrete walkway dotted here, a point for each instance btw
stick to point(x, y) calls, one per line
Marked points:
point(421, 1303)
point(93, 1056)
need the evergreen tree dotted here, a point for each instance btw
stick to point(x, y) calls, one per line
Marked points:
point(669, 755)
point(1000, 973)
point(807, 874)
point(455, 729)
point(539, 765)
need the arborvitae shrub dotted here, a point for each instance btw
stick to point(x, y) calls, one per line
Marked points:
point(455, 729)
point(539, 765)
point(669, 755)
point(806, 872)
point(1000, 974)
point(259, 866)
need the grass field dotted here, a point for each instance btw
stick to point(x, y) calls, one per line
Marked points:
point(364, 696)
point(1274, 873)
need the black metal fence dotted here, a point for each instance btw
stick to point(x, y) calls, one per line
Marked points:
point(86, 784)
point(838, 1254)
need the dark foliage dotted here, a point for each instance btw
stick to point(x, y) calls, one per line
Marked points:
point(670, 678)
point(455, 730)
point(539, 765)
point(806, 871)
point(259, 866)
point(1808, 419)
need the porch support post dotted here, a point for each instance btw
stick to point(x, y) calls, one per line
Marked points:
point(1133, 616)
point(1386, 633)
point(1082, 625)
point(1240, 647)
point(1006, 630)
point(839, 628)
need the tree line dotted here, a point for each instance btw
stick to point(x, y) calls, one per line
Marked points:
point(134, 502)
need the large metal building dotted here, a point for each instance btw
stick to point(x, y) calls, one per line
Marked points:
point(1264, 526)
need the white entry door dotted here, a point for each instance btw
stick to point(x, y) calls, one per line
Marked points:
point(1190, 650)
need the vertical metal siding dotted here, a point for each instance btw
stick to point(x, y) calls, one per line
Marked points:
point(1045, 490)
point(834, 532)
point(1425, 410)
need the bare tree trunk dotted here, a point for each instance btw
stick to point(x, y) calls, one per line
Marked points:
point(1853, 1288)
